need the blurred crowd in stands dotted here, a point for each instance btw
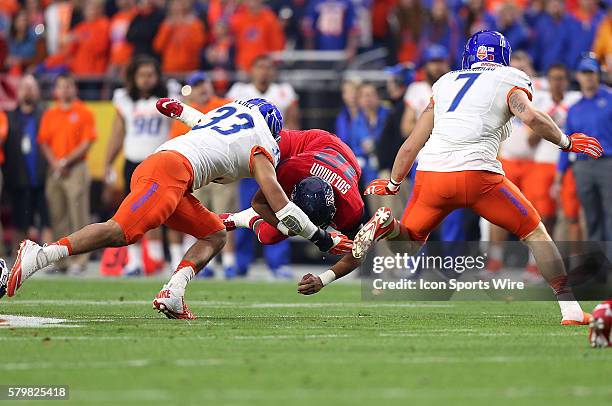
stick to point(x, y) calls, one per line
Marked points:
point(144, 44)
point(97, 37)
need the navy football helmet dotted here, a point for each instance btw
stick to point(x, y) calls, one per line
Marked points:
point(315, 197)
point(486, 46)
point(270, 113)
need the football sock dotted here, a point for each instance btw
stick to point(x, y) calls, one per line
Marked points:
point(156, 250)
point(176, 254)
point(183, 274)
point(228, 259)
point(53, 252)
point(243, 218)
point(134, 257)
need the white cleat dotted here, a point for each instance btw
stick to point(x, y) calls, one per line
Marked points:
point(171, 302)
point(25, 265)
point(377, 228)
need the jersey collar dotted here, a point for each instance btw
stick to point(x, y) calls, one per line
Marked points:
point(485, 65)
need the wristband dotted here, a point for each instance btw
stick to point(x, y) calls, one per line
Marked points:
point(565, 142)
point(327, 277)
point(282, 228)
point(393, 185)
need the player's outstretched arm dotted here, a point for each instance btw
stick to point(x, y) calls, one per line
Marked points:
point(180, 111)
point(290, 215)
point(544, 126)
point(406, 155)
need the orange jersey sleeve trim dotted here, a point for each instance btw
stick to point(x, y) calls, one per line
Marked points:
point(257, 149)
point(515, 88)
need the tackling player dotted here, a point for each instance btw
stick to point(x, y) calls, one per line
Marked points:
point(321, 175)
point(457, 138)
point(235, 141)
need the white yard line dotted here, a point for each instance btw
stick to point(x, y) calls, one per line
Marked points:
point(80, 302)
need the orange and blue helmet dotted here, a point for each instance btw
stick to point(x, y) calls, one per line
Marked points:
point(270, 113)
point(486, 46)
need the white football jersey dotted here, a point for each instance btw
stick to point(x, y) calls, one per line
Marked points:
point(281, 94)
point(220, 147)
point(145, 128)
point(547, 152)
point(471, 118)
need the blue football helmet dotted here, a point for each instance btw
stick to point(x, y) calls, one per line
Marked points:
point(271, 114)
point(486, 46)
point(315, 197)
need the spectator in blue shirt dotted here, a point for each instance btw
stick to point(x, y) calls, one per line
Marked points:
point(552, 41)
point(589, 18)
point(592, 115)
point(349, 111)
point(331, 25)
point(22, 43)
point(513, 27)
point(366, 130)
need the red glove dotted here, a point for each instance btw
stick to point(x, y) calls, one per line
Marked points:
point(342, 244)
point(382, 187)
point(584, 144)
point(169, 107)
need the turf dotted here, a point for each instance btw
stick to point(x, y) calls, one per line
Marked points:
point(263, 344)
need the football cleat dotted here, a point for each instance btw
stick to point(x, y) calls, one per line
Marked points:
point(4, 273)
point(377, 228)
point(600, 326)
point(24, 267)
point(171, 303)
point(585, 320)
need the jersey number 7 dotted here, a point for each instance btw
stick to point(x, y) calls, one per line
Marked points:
point(471, 78)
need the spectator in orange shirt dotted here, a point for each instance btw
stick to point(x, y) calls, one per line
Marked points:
point(67, 131)
point(120, 48)
point(180, 39)
point(257, 31)
point(89, 41)
point(602, 46)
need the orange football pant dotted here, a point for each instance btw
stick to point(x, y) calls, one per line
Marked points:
point(160, 193)
point(489, 194)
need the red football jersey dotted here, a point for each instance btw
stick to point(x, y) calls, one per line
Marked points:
point(320, 153)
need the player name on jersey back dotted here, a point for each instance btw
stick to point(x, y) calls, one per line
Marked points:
point(471, 118)
point(220, 147)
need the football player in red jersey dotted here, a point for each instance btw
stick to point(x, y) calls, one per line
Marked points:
point(321, 174)
point(600, 325)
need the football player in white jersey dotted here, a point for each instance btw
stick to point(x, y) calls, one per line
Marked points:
point(138, 130)
point(235, 141)
point(458, 137)
point(262, 85)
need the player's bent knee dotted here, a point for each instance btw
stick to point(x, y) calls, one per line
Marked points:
point(114, 234)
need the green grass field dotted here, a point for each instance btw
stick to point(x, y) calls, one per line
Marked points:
point(263, 344)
